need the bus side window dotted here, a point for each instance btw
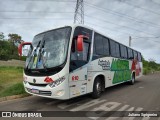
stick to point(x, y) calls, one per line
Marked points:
point(98, 50)
point(105, 46)
point(117, 50)
point(139, 57)
point(98, 44)
point(135, 55)
point(130, 53)
point(113, 48)
point(123, 52)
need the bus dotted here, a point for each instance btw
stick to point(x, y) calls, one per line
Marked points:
point(74, 60)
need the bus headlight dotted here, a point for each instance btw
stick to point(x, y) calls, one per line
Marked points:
point(25, 80)
point(56, 82)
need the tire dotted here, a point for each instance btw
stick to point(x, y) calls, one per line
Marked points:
point(97, 88)
point(132, 80)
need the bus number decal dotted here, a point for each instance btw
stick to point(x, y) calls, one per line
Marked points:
point(75, 78)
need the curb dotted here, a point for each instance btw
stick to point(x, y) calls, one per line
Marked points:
point(13, 97)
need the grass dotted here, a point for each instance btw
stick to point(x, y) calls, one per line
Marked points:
point(11, 81)
point(147, 70)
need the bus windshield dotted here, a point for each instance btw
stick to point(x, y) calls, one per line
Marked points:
point(49, 49)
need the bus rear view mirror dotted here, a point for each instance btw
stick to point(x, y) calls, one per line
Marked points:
point(80, 42)
point(21, 50)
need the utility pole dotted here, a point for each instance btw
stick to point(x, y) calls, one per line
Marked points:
point(79, 12)
point(130, 39)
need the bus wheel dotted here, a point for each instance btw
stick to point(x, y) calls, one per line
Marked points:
point(97, 88)
point(132, 80)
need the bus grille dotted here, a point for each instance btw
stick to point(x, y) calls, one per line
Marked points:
point(46, 93)
point(39, 85)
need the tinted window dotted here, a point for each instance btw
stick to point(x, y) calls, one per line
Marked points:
point(130, 53)
point(101, 45)
point(139, 57)
point(80, 58)
point(98, 44)
point(106, 46)
point(83, 31)
point(135, 54)
point(113, 48)
point(117, 50)
point(123, 51)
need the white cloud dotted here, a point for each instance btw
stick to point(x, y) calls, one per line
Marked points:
point(119, 20)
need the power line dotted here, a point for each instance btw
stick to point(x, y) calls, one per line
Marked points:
point(146, 37)
point(136, 6)
point(122, 32)
point(43, 0)
point(121, 14)
point(35, 12)
point(106, 28)
point(119, 25)
point(35, 18)
point(155, 2)
point(51, 0)
point(147, 40)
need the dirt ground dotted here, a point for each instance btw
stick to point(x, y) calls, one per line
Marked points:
point(12, 63)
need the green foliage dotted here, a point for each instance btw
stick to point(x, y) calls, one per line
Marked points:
point(8, 51)
point(146, 71)
point(8, 48)
point(23, 58)
point(1, 36)
point(11, 81)
point(14, 38)
point(15, 89)
point(150, 66)
point(10, 74)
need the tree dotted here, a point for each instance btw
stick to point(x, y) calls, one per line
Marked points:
point(145, 63)
point(152, 64)
point(5, 50)
point(1, 36)
point(15, 38)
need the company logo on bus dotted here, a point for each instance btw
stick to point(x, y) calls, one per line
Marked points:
point(34, 80)
point(105, 64)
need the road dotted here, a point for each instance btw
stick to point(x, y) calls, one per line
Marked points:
point(144, 95)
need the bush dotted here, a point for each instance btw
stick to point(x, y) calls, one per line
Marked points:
point(146, 71)
point(8, 51)
point(23, 58)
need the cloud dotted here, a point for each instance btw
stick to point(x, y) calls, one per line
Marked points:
point(117, 19)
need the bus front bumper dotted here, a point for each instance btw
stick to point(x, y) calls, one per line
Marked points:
point(58, 92)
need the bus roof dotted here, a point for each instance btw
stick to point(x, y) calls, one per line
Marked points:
point(85, 26)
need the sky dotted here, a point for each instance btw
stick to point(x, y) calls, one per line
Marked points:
point(117, 19)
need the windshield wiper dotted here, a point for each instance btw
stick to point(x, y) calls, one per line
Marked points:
point(33, 53)
point(41, 55)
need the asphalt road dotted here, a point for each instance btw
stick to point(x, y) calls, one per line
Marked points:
point(144, 95)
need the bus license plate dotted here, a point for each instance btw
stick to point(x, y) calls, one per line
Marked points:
point(35, 91)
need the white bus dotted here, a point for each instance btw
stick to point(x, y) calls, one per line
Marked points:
point(75, 60)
